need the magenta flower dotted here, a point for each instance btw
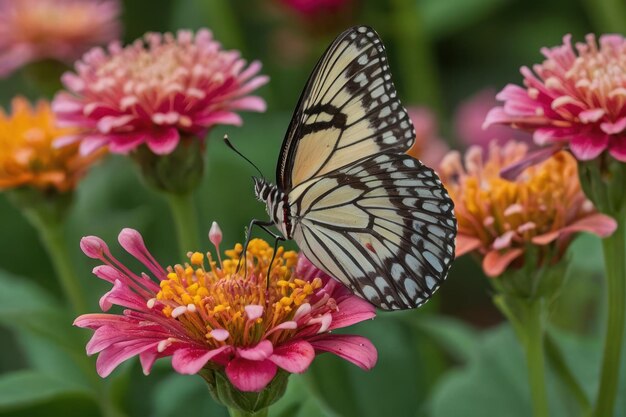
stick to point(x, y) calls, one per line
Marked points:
point(575, 98)
point(33, 30)
point(156, 90)
point(221, 317)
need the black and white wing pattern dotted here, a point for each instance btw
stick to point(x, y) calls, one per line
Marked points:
point(384, 226)
point(348, 111)
point(357, 206)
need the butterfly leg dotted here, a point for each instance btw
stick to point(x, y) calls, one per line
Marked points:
point(264, 225)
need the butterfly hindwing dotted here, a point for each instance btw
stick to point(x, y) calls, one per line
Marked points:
point(348, 111)
point(383, 226)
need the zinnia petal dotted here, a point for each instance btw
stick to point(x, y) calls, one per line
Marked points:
point(250, 376)
point(355, 349)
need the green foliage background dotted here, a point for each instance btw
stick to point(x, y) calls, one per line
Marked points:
point(455, 357)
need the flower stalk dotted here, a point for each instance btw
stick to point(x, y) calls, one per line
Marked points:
point(602, 180)
point(185, 220)
point(46, 212)
point(614, 249)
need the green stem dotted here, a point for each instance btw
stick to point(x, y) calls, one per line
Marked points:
point(233, 412)
point(614, 250)
point(558, 364)
point(52, 237)
point(185, 219)
point(418, 69)
point(533, 347)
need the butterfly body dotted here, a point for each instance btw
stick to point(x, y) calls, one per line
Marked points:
point(357, 206)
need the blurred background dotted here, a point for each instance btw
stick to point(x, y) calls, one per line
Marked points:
point(454, 357)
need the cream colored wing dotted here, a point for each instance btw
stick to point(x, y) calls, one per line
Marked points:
point(385, 227)
point(348, 111)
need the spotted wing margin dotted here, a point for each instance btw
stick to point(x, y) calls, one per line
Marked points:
point(385, 227)
point(348, 111)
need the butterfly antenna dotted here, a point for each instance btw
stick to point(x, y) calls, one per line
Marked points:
point(232, 147)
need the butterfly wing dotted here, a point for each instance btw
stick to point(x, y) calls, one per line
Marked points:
point(384, 226)
point(348, 111)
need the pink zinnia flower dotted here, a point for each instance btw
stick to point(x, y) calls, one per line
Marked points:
point(240, 320)
point(428, 146)
point(500, 219)
point(470, 116)
point(576, 97)
point(156, 90)
point(33, 30)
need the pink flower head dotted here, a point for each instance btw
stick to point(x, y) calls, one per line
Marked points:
point(237, 318)
point(500, 219)
point(428, 146)
point(156, 90)
point(470, 116)
point(576, 97)
point(33, 30)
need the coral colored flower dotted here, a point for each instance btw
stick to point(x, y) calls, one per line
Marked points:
point(470, 116)
point(156, 90)
point(27, 157)
point(500, 219)
point(32, 30)
point(575, 97)
point(313, 8)
point(216, 314)
point(428, 146)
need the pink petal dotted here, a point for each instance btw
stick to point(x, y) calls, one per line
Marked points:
point(466, 244)
point(588, 146)
point(132, 241)
point(591, 116)
point(513, 171)
point(92, 143)
point(249, 103)
point(597, 223)
point(495, 262)
point(147, 359)
point(294, 357)
point(219, 117)
point(250, 376)
point(93, 247)
point(253, 311)
point(356, 349)
point(260, 352)
point(351, 310)
point(614, 128)
point(124, 143)
point(163, 141)
point(190, 360)
point(220, 334)
point(62, 141)
point(617, 148)
point(110, 358)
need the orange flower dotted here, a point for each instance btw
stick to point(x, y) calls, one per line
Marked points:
point(27, 157)
point(501, 219)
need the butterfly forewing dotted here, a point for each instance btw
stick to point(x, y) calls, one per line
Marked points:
point(348, 111)
point(383, 226)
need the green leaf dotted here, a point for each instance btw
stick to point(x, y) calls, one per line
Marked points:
point(444, 17)
point(494, 382)
point(26, 388)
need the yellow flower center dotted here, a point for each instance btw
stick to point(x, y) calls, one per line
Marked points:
point(27, 154)
point(221, 298)
point(545, 198)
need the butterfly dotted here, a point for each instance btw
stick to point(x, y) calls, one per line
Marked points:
point(356, 205)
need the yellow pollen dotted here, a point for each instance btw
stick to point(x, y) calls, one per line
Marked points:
point(216, 297)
